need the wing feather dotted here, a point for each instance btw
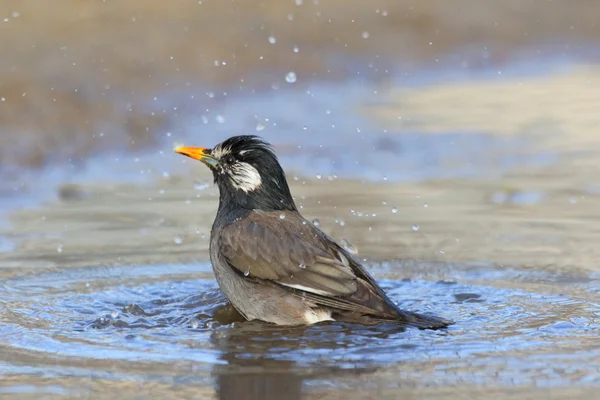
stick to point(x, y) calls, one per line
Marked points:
point(286, 252)
point(293, 254)
point(290, 252)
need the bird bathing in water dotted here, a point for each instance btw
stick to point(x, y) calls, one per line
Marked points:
point(271, 263)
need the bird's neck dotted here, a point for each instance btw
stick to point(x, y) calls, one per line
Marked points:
point(233, 203)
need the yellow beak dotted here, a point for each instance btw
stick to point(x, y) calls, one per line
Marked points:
point(198, 153)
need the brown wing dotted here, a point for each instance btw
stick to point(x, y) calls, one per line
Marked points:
point(288, 251)
point(293, 253)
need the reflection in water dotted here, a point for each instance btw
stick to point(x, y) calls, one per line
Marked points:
point(258, 379)
point(252, 371)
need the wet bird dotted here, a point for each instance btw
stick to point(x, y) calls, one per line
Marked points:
point(271, 263)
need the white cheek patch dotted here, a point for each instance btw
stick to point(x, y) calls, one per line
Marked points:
point(245, 177)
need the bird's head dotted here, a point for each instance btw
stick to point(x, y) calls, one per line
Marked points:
point(247, 172)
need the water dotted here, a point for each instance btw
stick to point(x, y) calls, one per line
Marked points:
point(173, 318)
point(290, 77)
point(127, 306)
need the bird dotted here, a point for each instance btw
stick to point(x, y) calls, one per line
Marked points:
point(271, 263)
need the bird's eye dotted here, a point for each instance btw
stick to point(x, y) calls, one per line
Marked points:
point(228, 160)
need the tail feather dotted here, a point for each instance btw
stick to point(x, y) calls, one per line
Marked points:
point(402, 318)
point(423, 321)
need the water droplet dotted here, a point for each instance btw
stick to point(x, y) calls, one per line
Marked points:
point(302, 266)
point(303, 222)
point(87, 284)
point(394, 210)
point(59, 248)
point(246, 273)
point(415, 227)
point(194, 324)
point(365, 35)
point(200, 185)
point(319, 176)
point(316, 222)
point(220, 119)
point(296, 49)
point(178, 239)
point(260, 127)
point(425, 205)
point(290, 77)
point(114, 314)
point(346, 245)
point(282, 216)
point(298, 2)
point(342, 223)
point(272, 40)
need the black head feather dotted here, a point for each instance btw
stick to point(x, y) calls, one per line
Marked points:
point(249, 176)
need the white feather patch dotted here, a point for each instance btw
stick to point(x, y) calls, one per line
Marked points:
point(307, 289)
point(313, 316)
point(245, 177)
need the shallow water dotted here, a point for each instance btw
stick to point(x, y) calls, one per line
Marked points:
point(170, 322)
point(147, 312)
point(108, 293)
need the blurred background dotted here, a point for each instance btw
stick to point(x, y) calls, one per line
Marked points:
point(89, 79)
point(452, 145)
